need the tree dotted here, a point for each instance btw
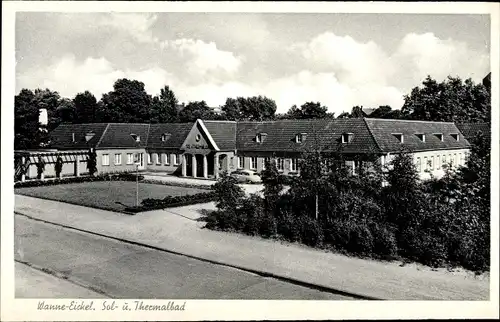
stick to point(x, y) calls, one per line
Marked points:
point(196, 110)
point(452, 100)
point(229, 195)
point(85, 108)
point(256, 108)
point(232, 109)
point(308, 110)
point(272, 185)
point(65, 112)
point(385, 112)
point(26, 120)
point(92, 162)
point(27, 106)
point(164, 107)
point(127, 103)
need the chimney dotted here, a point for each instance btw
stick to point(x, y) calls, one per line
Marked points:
point(43, 119)
point(73, 137)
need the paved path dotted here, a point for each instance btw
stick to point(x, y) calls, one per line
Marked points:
point(33, 283)
point(119, 270)
point(176, 230)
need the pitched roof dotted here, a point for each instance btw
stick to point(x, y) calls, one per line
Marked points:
point(176, 134)
point(383, 131)
point(223, 133)
point(324, 134)
point(470, 130)
point(119, 135)
point(62, 136)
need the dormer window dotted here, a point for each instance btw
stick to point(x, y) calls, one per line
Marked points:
point(89, 136)
point(259, 138)
point(299, 138)
point(455, 136)
point(136, 137)
point(439, 136)
point(165, 137)
point(399, 137)
point(347, 137)
point(421, 136)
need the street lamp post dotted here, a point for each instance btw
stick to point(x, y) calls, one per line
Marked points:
point(136, 185)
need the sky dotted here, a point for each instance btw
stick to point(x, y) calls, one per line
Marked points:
point(339, 60)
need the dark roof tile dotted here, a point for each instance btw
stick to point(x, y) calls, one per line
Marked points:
point(383, 131)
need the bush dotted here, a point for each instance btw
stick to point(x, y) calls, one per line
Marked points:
point(311, 232)
point(102, 177)
point(288, 228)
point(360, 240)
point(384, 241)
point(174, 201)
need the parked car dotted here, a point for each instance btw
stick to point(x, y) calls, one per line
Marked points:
point(246, 176)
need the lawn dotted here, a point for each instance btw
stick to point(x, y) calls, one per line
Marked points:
point(110, 195)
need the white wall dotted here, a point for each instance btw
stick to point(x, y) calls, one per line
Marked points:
point(436, 156)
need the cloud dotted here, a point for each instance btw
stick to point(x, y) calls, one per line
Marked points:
point(202, 58)
point(338, 71)
point(69, 76)
point(419, 55)
point(138, 25)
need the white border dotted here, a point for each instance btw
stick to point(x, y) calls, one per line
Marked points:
point(23, 310)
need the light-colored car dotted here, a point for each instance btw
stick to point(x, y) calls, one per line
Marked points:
point(246, 176)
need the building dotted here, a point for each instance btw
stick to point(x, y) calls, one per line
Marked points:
point(205, 149)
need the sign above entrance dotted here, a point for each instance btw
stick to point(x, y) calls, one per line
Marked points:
point(197, 146)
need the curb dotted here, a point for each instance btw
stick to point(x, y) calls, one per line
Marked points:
point(61, 276)
point(319, 287)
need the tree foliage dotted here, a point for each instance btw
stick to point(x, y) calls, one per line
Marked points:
point(196, 110)
point(452, 100)
point(255, 108)
point(127, 103)
point(164, 107)
point(308, 110)
point(85, 108)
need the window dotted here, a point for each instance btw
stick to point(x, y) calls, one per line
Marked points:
point(176, 159)
point(118, 159)
point(165, 137)
point(265, 161)
point(431, 163)
point(443, 161)
point(105, 159)
point(455, 160)
point(399, 137)
point(280, 164)
point(293, 165)
point(257, 138)
point(240, 162)
point(460, 158)
point(347, 137)
point(156, 157)
point(166, 158)
point(438, 162)
point(421, 136)
point(253, 163)
point(426, 165)
point(450, 160)
point(419, 165)
point(149, 158)
point(130, 158)
point(455, 136)
point(439, 136)
point(298, 138)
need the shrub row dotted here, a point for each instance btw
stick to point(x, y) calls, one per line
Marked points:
point(173, 201)
point(102, 177)
point(177, 184)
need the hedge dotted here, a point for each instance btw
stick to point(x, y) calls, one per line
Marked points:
point(172, 201)
point(103, 177)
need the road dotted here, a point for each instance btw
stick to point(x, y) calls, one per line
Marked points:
point(115, 269)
